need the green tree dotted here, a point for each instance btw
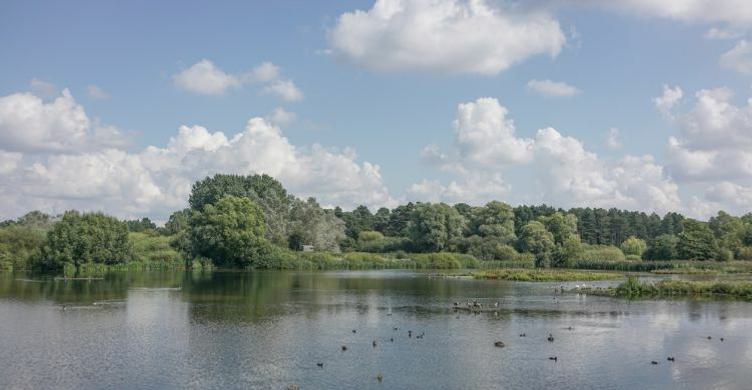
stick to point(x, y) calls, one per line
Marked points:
point(435, 227)
point(634, 246)
point(534, 238)
point(19, 245)
point(263, 190)
point(230, 232)
point(568, 252)
point(140, 225)
point(494, 220)
point(662, 247)
point(85, 238)
point(696, 241)
point(562, 226)
point(312, 225)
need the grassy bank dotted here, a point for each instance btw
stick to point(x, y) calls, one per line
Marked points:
point(632, 288)
point(557, 275)
point(674, 266)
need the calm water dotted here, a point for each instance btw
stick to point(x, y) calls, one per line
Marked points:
point(269, 329)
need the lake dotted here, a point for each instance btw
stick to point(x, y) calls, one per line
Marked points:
point(268, 330)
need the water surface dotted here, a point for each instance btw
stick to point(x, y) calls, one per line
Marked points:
point(269, 329)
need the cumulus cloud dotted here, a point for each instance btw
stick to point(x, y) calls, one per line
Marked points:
point(28, 124)
point(552, 88)
point(739, 58)
point(204, 77)
point(715, 139)
point(567, 173)
point(95, 92)
point(613, 138)
point(263, 73)
point(157, 180)
point(447, 36)
point(285, 90)
point(666, 102)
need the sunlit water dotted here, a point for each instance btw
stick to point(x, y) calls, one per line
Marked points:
point(270, 329)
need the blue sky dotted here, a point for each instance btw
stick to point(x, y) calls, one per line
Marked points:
point(617, 57)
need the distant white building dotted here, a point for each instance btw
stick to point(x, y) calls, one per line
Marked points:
point(307, 248)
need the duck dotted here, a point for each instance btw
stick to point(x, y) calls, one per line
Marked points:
point(653, 362)
point(721, 339)
point(710, 337)
point(391, 339)
point(320, 364)
point(499, 344)
point(410, 333)
point(570, 328)
point(554, 358)
point(550, 337)
point(374, 343)
point(379, 377)
point(344, 348)
point(522, 335)
point(355, 331)
point(395, 329)
point(670, 358)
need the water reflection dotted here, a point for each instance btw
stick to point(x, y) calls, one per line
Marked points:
point(269, 329)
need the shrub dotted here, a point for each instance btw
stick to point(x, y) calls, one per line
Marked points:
point(633, 258)
point(602, 253)
point(633, 246)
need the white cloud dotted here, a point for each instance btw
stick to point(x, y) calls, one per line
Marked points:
point(722, 33)
point(42, 88)
point(552, 88)
point(28, 124)
point(613, 139)
point(264, 73)
point(486, 136)
point(566, 172)
point(281, 117)
point(714, 141)
point(285, 90)
point(666, 102)
point(729, 11)
point(205, 78)
point(739, 58)
point(9, 161)
point(95, 92)
point(157, 180)
point(727, 193)
point(448, 36)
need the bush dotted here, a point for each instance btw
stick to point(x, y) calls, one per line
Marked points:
point(369, 235)
point(744, 253)
point(18, 246)
point(85, 238)
point(602, 253)
point(633, 246)
point(633, 258)
point(153, 248)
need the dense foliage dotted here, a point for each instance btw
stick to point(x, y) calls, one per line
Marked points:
point(85, 238)
point(252, 221)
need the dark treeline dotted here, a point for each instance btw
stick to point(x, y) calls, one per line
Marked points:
point(252, 221)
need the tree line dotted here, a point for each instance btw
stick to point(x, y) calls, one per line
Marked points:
point(252, 221)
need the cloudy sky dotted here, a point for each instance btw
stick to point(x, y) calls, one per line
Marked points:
point(119, 106)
